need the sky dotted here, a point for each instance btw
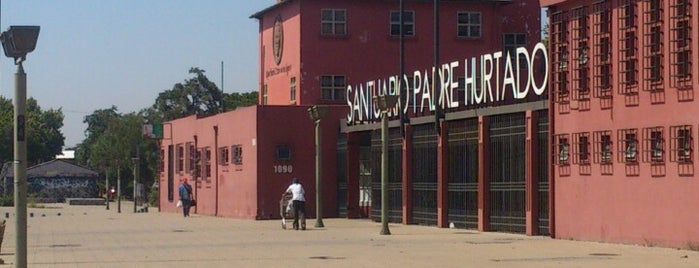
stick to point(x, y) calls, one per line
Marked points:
point(93, 55)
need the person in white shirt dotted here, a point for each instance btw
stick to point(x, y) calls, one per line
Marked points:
point(299, 203)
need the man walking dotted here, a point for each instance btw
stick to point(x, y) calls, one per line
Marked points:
point(185, 191)
point(299, 203)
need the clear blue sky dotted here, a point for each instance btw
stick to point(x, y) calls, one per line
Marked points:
point(94, 54)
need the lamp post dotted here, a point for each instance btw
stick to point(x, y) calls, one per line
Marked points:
point(17, 41)
point(317, 113)
point(106, 186)
point(385, 103)
point(135, 180)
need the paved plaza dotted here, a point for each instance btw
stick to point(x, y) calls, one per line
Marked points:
point(90, 236)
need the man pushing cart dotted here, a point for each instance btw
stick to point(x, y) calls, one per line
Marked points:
point(293, 204)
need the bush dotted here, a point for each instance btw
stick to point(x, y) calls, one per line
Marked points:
point(7, 201)
point(153, 198)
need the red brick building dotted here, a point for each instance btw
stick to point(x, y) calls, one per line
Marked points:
point(624, 120)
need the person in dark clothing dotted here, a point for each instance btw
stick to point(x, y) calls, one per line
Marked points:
point(185, 191)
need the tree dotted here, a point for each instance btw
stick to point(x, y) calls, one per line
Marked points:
point(44, 138)
point(96, 126)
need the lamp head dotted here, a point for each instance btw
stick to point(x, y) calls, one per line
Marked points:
point(17, 41)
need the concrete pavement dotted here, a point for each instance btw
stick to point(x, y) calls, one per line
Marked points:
point(90, 236)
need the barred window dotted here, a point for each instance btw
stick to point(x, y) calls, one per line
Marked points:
point(333, 22)
point(653, 145)
point(408, 23)
point(603, 147)
point(681, 144)
point(237, 151)
point(603, 49)
point(223, 156)
point(180, 158)
point(562, 149)
point(207, 161)
point(628, 145)
point(653, 45)
point(191, 158)
point(628, 61)
point(468, 24)
point(681, 43)
point(581, 149)
point(559, 47)
point(582, 54)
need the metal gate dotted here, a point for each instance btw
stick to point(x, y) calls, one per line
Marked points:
point(424, 175)
point(507, 175)
point(395, 176)
point(463, 173)
point(543, 187)
point(342, 175)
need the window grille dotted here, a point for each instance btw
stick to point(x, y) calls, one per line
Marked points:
point(628, 61)
point(192, 158)
point(207, 162)
point(681, 144)
point(223, 156)
point(653, 145)
point(180, 158)
point(603, 49)
point(603, 147)
point(559, 45)
point(333, 22)
point(627, 145)
point(237, 151)
point(562, 149)
point(581, 57)
point(653, 45)
point(681, 44)
point(581, 148)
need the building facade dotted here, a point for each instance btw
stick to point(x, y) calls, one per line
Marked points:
point(468, 144)
point(623, 108)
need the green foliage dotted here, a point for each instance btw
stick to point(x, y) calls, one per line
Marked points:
point(44, 138)
point(153, 197)
point(7, 201)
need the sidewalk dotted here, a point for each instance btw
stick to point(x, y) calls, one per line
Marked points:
point(90, 236)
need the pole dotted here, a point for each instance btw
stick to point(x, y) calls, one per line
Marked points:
point(319, 203)
point(118, 189)
point(135, 181)
point(106, 186)
point(384, 172)
point(20, 165)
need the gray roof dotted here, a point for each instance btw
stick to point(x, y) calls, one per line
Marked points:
point(53, 168)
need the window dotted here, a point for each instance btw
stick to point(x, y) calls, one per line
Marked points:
point(681, 43)
point(333, 22)
point(562, 149)
point(180, 158)
point(223, 156)
point(292, 89)
point(511, 41)
point(197, 164)
point(283, 153)
point(207, 161)
point(468, 24)
point(603, 49)
point(653, 145)
point(559, 47)
point(603, 147)
point(237, 151)
point(192, 158)
point(653, 45)
point(582, 54)
point(408, 23)
point(332, 87)
point(628, 145)
point(581, 154)
point(628, 53)
point(264, 94)
point(681, 144)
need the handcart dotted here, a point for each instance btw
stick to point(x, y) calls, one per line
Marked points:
point(286, 210)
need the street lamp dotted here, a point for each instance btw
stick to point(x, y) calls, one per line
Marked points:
point(385, 103)
point(317, 113)
point(17, 41)
point(135, 161)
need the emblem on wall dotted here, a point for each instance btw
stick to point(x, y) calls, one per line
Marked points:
point(278, 39)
